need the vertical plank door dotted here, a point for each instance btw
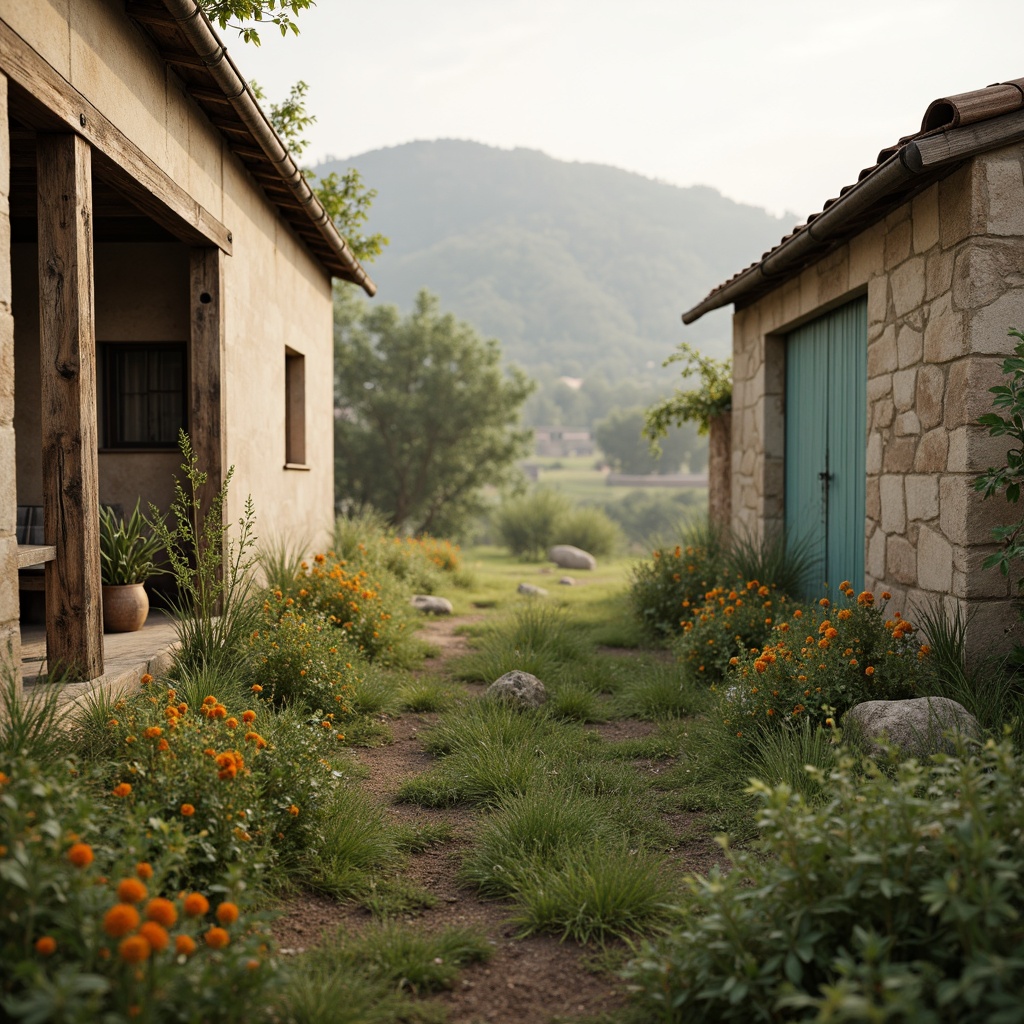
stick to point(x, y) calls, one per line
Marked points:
point(826, 430)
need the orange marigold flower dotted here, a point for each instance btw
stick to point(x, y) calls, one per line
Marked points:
point(797, 613)
point(134, 949)
point(232, 723)
point(210, 752)
point(824, 602)
point(886, 595)
point(196, 904)
point(163, 746)
point(146, 679)
point(46, 945)
point(122, 789)
point(184, 946)
point(209, 700)
point(293, 811)
point(227, 912)
point(80, 855)
point(219, 711)
point(217, 938)
point(187, 810)
point(870, 670)
point(156, 935)
point(256, 688)
point(153, 732)
point(120, 920)
point(248, 716)
point(770, 712)
point(831, 632)
point(144, 870)
point(162, 911)
point(823, 643)
point(866, 597)
point(131, 890)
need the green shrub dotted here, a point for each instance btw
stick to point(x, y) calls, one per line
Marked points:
point(897, 899)
point(644, 515)
point(589, 528)
point(660, 588)
point(528, 525)
point(726, 624)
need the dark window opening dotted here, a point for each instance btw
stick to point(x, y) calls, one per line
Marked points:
point(142, 394)
point(294, 407)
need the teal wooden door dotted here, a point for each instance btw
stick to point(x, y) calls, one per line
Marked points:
point(826, 430)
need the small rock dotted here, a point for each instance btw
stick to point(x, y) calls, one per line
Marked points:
point(565, 556)
point(432, 605)
point(567, 581)
point(916, 727)
point(532, 591)
point(519, 688)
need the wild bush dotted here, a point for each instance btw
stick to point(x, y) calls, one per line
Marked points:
point(728, 622)
point(896, 899)
point(820, 664)
point(589, 528)
point(528, 525)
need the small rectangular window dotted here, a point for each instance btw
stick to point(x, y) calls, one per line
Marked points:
point(142, 394)
point(294, 408)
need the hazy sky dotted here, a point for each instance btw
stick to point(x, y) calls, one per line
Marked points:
point(776, 103)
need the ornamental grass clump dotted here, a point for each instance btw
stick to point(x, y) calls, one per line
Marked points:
point(898, 898)
point(727, 622)
point(820, 663)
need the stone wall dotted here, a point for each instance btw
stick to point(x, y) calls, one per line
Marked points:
point(944, 279)
point(10, 636)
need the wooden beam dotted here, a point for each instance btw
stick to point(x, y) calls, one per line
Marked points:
point(67, 358)
point(116, 156)
point(206, 367)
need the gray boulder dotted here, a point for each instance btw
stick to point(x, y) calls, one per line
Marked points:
point(567, 581)
point(565, 556)
point(518, 688)
point(916, 727)
point(432, 605)
point(531, 591)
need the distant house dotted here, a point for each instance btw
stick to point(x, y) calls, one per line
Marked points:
point(163, 265)
point(562, 442)
point(864, 345)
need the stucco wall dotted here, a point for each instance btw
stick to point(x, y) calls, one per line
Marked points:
point(276, 294)
point(10, 638)
point(944, 278)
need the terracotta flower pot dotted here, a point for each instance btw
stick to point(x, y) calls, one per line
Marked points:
point(125, 608)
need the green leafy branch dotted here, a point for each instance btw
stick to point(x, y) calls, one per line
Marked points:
point(345, 198)
point(1007, 478)
point(698, 405)
point(234, 13)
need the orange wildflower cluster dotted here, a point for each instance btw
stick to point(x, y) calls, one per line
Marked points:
point(834, 664)
point(229, 764)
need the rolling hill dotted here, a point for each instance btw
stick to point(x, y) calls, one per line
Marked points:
point(576, 268)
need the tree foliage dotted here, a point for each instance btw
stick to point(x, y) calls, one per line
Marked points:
point(426, 417)
point(344, 197)
point(621, 438)
point(235, 13)
point(698, 405)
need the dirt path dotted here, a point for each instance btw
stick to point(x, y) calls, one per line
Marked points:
point(535, 980)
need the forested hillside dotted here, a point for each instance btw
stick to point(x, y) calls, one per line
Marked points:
point(577, 269)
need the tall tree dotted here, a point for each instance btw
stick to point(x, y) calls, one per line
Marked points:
point(235, 13)
point(426, 417)
point(620, 437)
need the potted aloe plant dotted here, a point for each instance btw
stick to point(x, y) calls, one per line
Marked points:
point(128, 554)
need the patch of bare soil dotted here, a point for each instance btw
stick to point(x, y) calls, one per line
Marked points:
point(528, 981)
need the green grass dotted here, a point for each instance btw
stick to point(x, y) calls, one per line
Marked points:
point(426, 695)
point(658, 691)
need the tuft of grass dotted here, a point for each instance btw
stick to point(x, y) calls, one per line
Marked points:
point(795, 755)
point(394, 896)
point(426, 695)
point(667, 742)
point(355, 838)
point(534, 832)
point(415, 838)
point(658, 691)
point(407, 959)
point(92, 736)
point(577, 703)
point(603, 892)
point(376, 692)
point(280, 558)
point(27, 724)
point(772, 558)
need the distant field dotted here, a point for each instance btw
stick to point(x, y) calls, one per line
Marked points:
point(577, 478)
